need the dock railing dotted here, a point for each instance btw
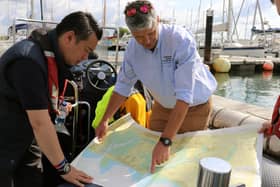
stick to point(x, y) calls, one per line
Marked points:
point(29, 30)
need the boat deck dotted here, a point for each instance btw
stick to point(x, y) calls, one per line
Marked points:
point(260, 112)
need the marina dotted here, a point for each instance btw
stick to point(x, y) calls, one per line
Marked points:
point(257, 88)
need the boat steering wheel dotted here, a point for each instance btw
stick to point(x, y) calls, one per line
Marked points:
point(101, 75)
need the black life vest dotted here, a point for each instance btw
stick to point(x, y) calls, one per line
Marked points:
point(17, 133)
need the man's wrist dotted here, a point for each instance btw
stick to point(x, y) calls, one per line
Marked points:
point(63, 167)
point(165, 141)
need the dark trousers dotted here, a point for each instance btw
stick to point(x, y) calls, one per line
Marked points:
point(23, 176)
point(28, 176)
point(6, 170)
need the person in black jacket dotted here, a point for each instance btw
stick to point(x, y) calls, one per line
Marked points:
point(32, 73)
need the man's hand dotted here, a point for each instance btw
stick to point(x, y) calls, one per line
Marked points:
point(77, 177)
point(69, 107)
point(265, 127)
point(160, 155)
point(101, 130)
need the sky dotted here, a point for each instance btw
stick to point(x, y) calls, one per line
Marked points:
point(188, 13)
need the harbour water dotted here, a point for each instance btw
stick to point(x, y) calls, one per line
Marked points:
point(258, 88)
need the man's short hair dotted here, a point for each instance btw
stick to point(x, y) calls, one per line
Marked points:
point(83, 24)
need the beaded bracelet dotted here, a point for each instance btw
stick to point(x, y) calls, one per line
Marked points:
point(61, 164)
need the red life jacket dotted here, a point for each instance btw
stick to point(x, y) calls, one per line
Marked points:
point(275, 121)
point(52, 80)
point(53, 86)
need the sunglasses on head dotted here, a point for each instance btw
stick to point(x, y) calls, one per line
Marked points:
point(142, 8)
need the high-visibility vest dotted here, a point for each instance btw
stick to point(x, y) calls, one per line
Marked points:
point(135, 104)
point(101, 107)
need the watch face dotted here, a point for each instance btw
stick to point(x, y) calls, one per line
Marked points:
point(67, 168)
point(165, 141)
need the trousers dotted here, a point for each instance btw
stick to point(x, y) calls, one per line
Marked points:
point(197, 117)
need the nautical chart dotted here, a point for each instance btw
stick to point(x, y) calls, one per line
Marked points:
point(123, 158)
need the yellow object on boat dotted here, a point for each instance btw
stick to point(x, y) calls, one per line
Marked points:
point(101, 107)
point(221, 65)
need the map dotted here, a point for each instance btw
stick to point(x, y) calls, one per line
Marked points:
point(123, 158)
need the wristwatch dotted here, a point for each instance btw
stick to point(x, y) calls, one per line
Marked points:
point(165, 141)
point(65, 169)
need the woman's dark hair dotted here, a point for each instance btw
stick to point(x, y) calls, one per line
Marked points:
point(82, 23)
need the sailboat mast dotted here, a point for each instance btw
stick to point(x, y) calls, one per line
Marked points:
point(52, 18)
point(229, 16)
point(191, 27)
point(237, 19)
point(223, 21)
point(104, 13)
point(254, 20)
point(258, 7)
point(119, 13)
point(246, 24)
point(173, 17)
point(41, 8)
point(261, 17)
point(31, 15)
point(198, 18)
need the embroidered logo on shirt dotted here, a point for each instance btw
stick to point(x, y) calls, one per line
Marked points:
point(166, 59)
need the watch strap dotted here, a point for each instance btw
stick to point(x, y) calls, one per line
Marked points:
point(165, 141)
point(65, 170)
point(63, 167)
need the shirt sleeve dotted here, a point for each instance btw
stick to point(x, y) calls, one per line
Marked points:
point(28, 80)
point(126, 77)
point(186, 58)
